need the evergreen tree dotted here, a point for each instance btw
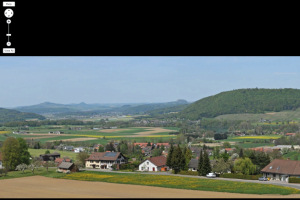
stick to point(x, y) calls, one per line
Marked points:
point(169, 157)
point(241, 154)
point(178, 160)
point(188, 157)
point(200, 164)
point(206, 164)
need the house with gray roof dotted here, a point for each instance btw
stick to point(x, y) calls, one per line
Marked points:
point(105, 160)
point(193, 164)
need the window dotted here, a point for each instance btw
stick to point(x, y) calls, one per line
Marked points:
point(147, 163)
point(270, 167)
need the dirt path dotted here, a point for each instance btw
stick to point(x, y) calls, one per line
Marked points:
point(43, 187)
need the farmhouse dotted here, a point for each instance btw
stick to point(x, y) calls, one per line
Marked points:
point(65, 166)
point(1, 161)
point(281, 170)
point(157, 163)
point(50, 156)
point(58, 161)
point(105, 160)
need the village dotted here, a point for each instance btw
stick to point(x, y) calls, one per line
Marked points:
point(155, 157)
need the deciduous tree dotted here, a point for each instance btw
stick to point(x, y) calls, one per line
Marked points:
point(244, 166)
point(11, 153)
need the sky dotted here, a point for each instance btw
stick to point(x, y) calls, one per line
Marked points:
point(129, 79)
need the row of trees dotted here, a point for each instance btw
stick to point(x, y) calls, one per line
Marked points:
point(177, 159)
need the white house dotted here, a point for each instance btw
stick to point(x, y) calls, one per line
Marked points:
point(78, 149)
point(104, 160)
point(157, 163)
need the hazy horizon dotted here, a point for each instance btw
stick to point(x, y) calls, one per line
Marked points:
point(29, 81)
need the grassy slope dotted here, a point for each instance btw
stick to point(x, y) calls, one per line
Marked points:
point(38, 152)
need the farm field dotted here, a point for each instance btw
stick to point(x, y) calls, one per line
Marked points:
point(88, 135)
point(44, 187)
point(103, 185)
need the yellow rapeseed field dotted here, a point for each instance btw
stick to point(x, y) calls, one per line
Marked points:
point(3, 132)
point(263, 137)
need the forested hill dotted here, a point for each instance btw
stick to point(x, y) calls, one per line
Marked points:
point(243, 101)
point(8, 115)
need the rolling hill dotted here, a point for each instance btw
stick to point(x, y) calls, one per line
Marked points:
point(84, 109)
point(8, 115)
point(243, 101)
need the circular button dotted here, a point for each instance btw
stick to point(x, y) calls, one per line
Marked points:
point(8, 13)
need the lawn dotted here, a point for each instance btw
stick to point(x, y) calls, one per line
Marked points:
point(39, 171)
point(291, 155)
point(182, 183)
point(38, 152)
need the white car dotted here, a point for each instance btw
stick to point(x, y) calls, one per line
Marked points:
point(210, 175)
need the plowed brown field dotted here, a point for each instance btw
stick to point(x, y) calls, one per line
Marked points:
point(43, 187)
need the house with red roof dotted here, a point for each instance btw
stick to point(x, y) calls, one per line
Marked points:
point(290, 134)
point(157, 163)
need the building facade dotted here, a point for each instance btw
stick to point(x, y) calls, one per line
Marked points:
point(105, 160)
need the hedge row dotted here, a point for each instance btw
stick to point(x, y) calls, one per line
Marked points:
point(294, 180)
point(241, 176)
point(188, 173)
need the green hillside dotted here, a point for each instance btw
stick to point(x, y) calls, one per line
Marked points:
point(8, 115)
point(243, 101)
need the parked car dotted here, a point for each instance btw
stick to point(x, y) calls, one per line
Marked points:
point(262, 179)
point(211, 175)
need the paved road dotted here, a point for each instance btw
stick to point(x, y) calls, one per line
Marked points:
point(280, 183)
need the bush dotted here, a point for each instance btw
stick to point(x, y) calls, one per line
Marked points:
point(132, 166)
point(294, 180)
point(241, 176)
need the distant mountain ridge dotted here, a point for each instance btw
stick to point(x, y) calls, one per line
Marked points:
point(8, 115)
point(243, 101)
point(92, 109)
